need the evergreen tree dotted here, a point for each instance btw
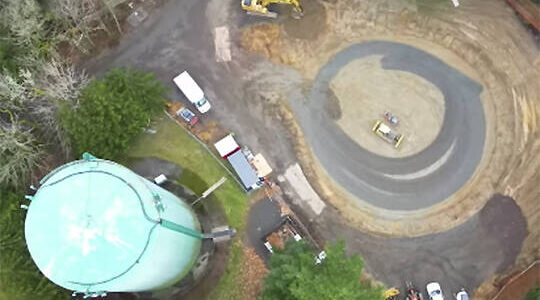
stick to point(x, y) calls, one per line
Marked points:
point(295, 276)
point(19, 277)
point(112, 111)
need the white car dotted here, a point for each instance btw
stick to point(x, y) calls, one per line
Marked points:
point(434, 291)
point(462, 295)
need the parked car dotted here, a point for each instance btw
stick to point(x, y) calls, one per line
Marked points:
point(387, 134)
point(434, 291)
point(187, 115)
point(192, 91)
point(462, 295)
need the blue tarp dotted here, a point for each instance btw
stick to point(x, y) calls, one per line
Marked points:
point(243, 169)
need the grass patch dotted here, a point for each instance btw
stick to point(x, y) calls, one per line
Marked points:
point(20, 278)
point(200, 169)
point(229, 284)
point(533, 294)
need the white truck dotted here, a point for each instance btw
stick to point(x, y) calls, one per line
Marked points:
point(192, 91)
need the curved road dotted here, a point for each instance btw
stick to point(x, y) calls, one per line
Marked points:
point(408, 183)
point(178, 36)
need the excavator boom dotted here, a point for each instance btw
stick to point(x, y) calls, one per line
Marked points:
point(259, 7)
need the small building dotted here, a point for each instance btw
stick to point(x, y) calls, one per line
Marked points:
point(229, 149)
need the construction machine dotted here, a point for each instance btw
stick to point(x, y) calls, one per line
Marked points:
point(412, 292)
point(390, 294)
point(259, 7)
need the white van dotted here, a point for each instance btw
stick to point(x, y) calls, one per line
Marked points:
point(192, 91)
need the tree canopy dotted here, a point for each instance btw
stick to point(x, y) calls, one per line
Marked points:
point(112, 111)
point(19, 277)
point(533, 294)
point(295, 276)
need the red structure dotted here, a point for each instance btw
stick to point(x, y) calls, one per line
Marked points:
point(528, 11)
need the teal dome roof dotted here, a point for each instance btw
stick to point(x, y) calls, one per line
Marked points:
point(91, 223)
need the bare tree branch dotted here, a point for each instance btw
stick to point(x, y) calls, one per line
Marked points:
point(20, 153)
point(61, 82)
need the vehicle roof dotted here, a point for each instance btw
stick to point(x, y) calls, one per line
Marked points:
point(384, 128)
point(226, 145)
point(433, 285)
point(189, 87)
point(244, 170)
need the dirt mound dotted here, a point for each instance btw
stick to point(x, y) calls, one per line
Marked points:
point(265, 39)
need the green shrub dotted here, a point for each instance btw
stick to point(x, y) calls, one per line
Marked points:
point(112, 111)
point(295, 276)
point(8, 57)
point(533, 294)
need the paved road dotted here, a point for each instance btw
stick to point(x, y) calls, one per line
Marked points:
point(264, 217)
point(465, 256)
point(408, 183)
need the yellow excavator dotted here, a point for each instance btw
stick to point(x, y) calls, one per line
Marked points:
point(259, 7)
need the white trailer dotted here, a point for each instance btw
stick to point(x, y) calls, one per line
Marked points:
point(192, 91)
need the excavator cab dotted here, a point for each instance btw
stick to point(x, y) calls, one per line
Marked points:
point(259, 7)
point(390, 294)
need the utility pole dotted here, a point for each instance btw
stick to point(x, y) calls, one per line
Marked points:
point(211, 189)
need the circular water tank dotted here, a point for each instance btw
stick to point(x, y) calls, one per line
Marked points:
point(95, 226)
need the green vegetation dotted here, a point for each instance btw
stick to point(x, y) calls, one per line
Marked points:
point(36, 84)
point(200, 169)
point(19, 277)
point(295, 276)
point(229, 284)
point(533, 294)
point(112, 111)
point(19, 151)
point(8, 55)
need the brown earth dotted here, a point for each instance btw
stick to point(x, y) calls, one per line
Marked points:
point(501, 55)
point(515, 286)
point(276, 240)
point(253, 272)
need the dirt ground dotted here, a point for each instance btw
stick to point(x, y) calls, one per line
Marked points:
point(501, 55)
point(518, 285)
point(253, 272)
point(362, 100)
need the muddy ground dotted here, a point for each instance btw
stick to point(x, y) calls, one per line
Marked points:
point(482, 39)
point(519, 285)
point(247, 98)
point(459, 258)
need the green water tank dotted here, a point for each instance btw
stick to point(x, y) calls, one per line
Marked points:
point(96, 226)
